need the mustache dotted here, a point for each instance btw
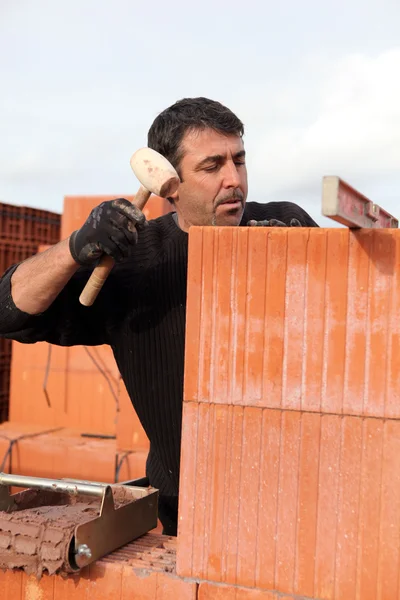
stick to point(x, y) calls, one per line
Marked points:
point(234, 195)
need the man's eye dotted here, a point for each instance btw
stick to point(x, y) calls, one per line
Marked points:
point(240, 163)
point(212, 168)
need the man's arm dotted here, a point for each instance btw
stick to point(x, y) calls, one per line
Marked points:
point(37, 281)
point(39, 297)
point(110, 228)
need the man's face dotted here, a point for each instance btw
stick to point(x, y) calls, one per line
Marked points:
point(214, 180)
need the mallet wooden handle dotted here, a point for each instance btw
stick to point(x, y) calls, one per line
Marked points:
point(101, 272)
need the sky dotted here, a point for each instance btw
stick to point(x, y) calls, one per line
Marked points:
point(316, 84)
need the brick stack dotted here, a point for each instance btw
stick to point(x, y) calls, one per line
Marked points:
point(22, 231)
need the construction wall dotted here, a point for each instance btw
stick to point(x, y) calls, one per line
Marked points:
point(291, 429)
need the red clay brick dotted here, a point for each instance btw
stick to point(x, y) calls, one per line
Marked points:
point(327, 510)
point(199, 539)
point(254, 334)
point(308, 475)
point(348, 507)
point(66, 453)
point(314, 309)
point(11, 585)
point(393, 346)
point(286, 519)
point(275, 287)
point(369, 509)
point(312, 346)
point(334, 323)
point(217, 492)
point(155, 586)
point(381, 272)
point(77, 208)
point(189, 466)
point(74, 587)
point(32, 588)
point(388, 584)
point(73, 375)
point(294, 327)
point(268, 498)
point(233, 475)
point(290, 501)
point(143, 569)
point(249, 516)
point(209, 591)
point(202, 370)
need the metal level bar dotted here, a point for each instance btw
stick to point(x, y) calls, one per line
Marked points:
point(347, 206)
point(54, 485)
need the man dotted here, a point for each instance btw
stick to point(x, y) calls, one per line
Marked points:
point(140, 311)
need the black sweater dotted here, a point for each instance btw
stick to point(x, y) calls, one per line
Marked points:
point(140, 313)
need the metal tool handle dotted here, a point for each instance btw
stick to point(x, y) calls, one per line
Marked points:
point(54, 485)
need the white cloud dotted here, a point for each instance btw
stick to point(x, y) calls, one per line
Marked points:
point(354, 133)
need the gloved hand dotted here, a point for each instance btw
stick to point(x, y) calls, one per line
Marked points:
point(274, 223)
point(111, 228)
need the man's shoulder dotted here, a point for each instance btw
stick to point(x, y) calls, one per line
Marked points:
point(283, 211)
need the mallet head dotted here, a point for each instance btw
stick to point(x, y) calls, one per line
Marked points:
point(155, 172)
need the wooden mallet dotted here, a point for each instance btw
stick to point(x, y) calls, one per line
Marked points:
point(157, 176)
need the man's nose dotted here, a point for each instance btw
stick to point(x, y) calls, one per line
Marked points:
point(231, 175)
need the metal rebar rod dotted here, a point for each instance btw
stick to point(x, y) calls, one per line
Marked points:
point(53, 485)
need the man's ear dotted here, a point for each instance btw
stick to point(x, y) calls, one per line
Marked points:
point(174, 197)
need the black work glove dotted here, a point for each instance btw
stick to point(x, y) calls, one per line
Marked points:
point(111, 228)
point(274, 223)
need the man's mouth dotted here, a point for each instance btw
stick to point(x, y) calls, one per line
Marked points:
point(233, 202)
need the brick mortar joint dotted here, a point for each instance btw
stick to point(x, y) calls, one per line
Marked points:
point(291, 409)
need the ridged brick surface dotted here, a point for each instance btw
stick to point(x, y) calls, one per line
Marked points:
point(11, 251)
point(22, 230)
point(209, 591)
point(77, 209)
point(303, 503)
point(21, 224)
point(301, 319)
point(84, 389)
point(66, 453)
point(290, 477)
point(144, 569)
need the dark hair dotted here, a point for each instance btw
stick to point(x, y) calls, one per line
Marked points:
point(168, 129)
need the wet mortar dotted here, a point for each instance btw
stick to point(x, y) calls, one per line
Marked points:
point(37, 536)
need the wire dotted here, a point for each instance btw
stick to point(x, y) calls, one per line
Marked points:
point(46, 375)
point(119, 463)
point(100, 359)
point(96, 363)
